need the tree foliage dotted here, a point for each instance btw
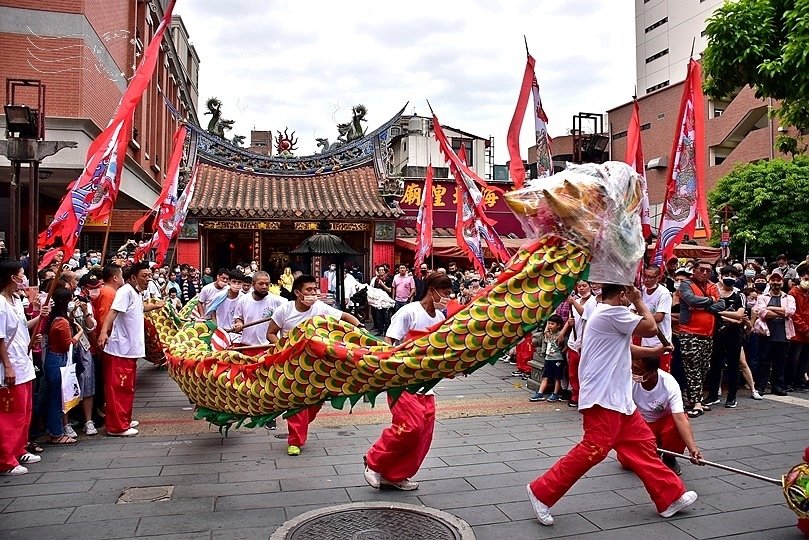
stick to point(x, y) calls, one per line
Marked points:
point(763, 43)
point(771, 202)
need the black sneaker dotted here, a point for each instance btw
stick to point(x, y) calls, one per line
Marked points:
point(778, 391)
point(572, 403)
point(671, 463)
point(730, 404)
point(517, 373)
point(712, 400)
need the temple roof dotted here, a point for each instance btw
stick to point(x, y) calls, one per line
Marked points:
point(351, 194)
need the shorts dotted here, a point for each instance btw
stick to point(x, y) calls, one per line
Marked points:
point(554, 370)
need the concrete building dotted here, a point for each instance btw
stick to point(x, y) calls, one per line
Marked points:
point(665, 31)
point(85, 53)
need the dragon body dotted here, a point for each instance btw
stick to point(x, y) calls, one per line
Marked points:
point(328, 360)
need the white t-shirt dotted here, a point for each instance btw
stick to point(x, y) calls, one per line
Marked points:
point(288, 317)
point(411, 317)
point(208, 293)
point(658, 302)
point(605, 368)
point(574, 338)
point(665, 398)
point(152, 290)
point(14, 332)
point(248, 309)
point(127, 336)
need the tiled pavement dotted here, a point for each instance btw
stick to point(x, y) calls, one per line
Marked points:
point(245, 486)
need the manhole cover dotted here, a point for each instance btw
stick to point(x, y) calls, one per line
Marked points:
point(375, 521)
point(145, 494)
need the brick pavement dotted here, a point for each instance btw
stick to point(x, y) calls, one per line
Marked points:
point(485, 451)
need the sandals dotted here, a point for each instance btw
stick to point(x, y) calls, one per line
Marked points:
point(695, 413)
point(63, 439)
point(34, 448)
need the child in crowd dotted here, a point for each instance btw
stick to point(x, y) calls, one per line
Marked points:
point(554, 361)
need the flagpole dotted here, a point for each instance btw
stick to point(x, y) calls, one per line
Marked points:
point(106, 238)
point(526, 45)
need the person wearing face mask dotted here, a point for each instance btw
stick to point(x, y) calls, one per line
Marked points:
point(399, 452)
point(784, 268)
point(288, 316)
point(773, 311)
point(211, 291)
point(331, 278)
point(258, 305)
point(798, 359)
point(610, 417)
point(727, 344)
point(657, 396)
point(223, 312)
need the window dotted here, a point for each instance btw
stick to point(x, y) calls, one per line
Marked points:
point(645, 126)
point(717, 112)
point(655, 56)
point(467, 144)
point(658, 24)
point(661, 116)
point(657, 86)
point(619, 135)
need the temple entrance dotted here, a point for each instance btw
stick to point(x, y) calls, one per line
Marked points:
point(277, 245)
point(226, 249)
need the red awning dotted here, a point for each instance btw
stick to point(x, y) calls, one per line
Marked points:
point(690, 251)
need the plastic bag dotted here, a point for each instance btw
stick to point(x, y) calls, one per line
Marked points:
point(595, 206)
point(71, 395)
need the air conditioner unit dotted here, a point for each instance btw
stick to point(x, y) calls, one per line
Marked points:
point(657, 163)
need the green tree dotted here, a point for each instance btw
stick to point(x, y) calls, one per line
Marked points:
point(771, 202)
point(763, 43)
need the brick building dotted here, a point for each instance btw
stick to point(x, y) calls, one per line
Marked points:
point(84, 52)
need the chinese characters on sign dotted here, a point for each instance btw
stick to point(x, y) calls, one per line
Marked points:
point(412, 196)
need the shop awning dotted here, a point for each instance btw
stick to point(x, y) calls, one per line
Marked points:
point(690, 251)
point(351, 194)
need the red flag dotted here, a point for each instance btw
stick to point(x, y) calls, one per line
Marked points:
point(634, 158)
point(93, 194)
point(424, 221)
point(170, 221)
point(685, 189)
point(543, 140)
point(168, 196)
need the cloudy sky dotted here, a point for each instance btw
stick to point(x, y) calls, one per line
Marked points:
point(304, 64)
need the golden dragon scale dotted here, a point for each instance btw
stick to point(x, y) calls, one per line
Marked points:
point(325, 359)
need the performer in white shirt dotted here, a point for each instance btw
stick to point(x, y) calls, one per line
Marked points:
point(289, 315)
point(611, 419)
point(660, 403)
point(402, 447)
point(658, 299)
point(210, 291)
point(254, 306)
point(223, 308)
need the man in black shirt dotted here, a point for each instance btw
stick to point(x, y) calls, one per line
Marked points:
point(727, 343)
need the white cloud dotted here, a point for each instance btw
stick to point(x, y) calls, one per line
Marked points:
point(304, 64)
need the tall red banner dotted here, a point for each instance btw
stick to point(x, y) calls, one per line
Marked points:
point(634, 158)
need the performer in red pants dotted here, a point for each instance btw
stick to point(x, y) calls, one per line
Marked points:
point(660, 403)
point(611, 420)
point(400, 451)
point(286, 317)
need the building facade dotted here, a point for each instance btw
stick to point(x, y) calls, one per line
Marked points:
point(84, 52)
point(666, 33)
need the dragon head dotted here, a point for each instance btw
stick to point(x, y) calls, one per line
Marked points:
point(213, 105)
point(597, 206)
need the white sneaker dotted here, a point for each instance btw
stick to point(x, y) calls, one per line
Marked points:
point(404, 485)
point(542, 511)
point(373, 478)
point(128, 433)
point(19, 470)
point(70, 432)
point(29, 458)
point(90, 428)
point(134, 424)
point(687, 499)
point(756, 395)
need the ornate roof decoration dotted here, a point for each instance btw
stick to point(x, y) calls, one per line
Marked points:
point(368, 148)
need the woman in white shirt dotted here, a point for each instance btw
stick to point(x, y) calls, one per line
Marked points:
point(16, 372)
point(402, 447)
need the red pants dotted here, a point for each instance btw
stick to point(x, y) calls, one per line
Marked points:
point(524, 353)
point(634, 442)
point(573, 358)
point(119, 389)
point(298, 425)
point(666, 435)
point(15, 419)
point(402, 447)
